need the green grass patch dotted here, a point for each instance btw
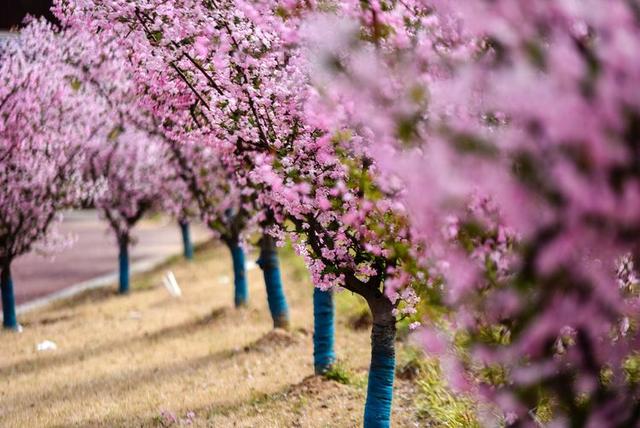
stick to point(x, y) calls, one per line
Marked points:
point(339, 373)
point(436, 402)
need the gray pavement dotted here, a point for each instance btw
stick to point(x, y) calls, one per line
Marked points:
point(94, 255)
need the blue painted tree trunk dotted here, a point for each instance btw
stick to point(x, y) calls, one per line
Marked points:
point(124, 266)
point(187, 245)
point(268, 262)
point(241, 291)
point(323, 330)
point(9, 320)
point(377, 412)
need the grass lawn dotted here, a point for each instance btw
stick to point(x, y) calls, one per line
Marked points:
point(148, 359)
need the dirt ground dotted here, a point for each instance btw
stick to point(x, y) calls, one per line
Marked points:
point(149, 359)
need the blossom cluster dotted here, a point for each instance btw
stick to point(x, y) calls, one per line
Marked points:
point(232, 77)
point(45, 119)
point(535, 108)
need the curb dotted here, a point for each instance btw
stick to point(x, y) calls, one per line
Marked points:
point(101, 281)
point(98, 282)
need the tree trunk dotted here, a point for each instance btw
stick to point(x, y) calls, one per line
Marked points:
point(323, 330)
point(377, 413)
point(9, 320)
point(186, 240)
point(268, 262)
point(241, 292)
point(123, 242)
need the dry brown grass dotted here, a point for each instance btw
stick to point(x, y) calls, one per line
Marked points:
point(122, 361)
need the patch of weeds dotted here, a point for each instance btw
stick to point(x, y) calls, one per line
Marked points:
point(435, 401)
point(339, 373)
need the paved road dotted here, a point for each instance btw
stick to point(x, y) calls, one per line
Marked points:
point(94, 253)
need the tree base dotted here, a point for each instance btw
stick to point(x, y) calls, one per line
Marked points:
point(13, 328)
point(322, 370)
point(282, 322)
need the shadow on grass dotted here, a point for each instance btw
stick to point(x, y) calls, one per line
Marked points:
point(125, 380)
point(166, 333)
point(309, 386)
point(114, 383)
point(94, 295)
point(209, 411)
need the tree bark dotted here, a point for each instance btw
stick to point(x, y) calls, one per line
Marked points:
point(123, 258)
point(9, 319)
point(187, 245)
point(377, 413)
point(323, 330)
point(268, 262)
point(241, 292)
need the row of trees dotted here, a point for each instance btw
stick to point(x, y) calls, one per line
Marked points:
point(482, 157)
point(73, 136)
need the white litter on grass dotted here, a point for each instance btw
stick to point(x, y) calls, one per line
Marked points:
point(250, 265)
point(171, 284)
point(135, 315)
point(46, 345)
point(223, 280)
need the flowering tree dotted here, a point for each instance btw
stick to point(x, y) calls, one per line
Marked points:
point(135, 174)
point(43, 120)
point(521, 119)
point(180, 205)
point(120, 154)
point(232, 72)
point(168, 72)
point(219, 202)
